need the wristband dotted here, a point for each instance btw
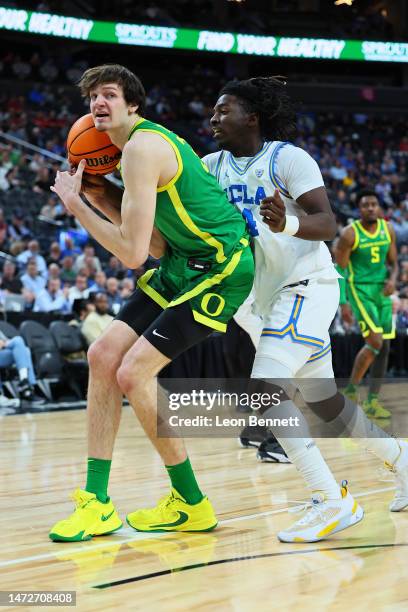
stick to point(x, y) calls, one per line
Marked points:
point(291, 225)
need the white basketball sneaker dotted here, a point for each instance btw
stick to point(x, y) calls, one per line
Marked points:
point(324, 517)
point(400, 469)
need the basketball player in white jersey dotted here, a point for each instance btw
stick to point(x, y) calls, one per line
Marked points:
point(280, 191)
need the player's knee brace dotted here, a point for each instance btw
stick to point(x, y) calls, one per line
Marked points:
point(328, 409)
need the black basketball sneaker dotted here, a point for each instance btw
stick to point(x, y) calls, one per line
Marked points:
point(253, 435)
point(270, 451)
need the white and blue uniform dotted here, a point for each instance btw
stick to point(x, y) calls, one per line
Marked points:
point(292, 322)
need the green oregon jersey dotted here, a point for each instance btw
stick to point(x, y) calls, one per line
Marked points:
point(192, 211)
point(208, 261)
point(366, 276)
point(368, 257)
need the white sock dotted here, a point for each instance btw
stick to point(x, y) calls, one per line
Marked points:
point(355, 422)
point(23, 373)
point(307, 459)
point(302, 452)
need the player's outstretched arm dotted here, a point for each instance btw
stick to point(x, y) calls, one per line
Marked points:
point(392, 260)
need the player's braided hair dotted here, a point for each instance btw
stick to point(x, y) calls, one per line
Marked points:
point(268, 98)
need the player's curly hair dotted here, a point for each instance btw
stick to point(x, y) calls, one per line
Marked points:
point(363, 193)
point(133, 90)
point(268, 98)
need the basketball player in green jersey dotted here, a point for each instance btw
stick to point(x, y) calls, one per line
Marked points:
point(206, 272)
point(367, 255)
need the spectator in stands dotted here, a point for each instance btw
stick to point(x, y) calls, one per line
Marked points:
point(96, 322)
point(127, 288)
point(384, 191)
point(88, 269)
point(81, 309)
point(402, 316)
point(197, 106)
point(33, 252)
point(88, 257)
point(68, 274)
point(43, 180)
point(70, 248)
point(4, 242)
point(54, 271)
point(10, 282)
point(32, 281)
point(337, 172)
point(53, 209)
point(14, 352)
point(115, 299)
point(17, 230)
point(99, 284)
point(16, 248)
point(80, 289)
point(115, 268)
point(55, 254)
point(53, 298)
point(3, 223)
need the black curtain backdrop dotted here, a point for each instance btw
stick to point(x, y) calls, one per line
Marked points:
point(231, 355)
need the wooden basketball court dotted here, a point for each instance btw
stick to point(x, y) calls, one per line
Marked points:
point(240, 566)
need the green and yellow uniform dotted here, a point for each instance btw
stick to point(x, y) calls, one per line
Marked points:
point(366, 275)
point(208, 261)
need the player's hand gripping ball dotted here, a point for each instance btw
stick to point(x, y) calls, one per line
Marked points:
point(85, 142)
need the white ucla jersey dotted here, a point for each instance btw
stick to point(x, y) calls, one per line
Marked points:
point(280, 259)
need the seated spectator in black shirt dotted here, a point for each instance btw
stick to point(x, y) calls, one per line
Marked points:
point(115, 268)
point(55, 254)
point(9, 281)
point(17, 230)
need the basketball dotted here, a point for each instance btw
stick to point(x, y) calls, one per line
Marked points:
point(85, 142)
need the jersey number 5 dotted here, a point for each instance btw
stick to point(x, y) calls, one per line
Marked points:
point(375, 255)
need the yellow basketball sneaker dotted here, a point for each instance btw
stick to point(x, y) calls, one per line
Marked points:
point(91, 518)
point(324, 517)
point(351, 391)
point(173, 513)
point(374, 409)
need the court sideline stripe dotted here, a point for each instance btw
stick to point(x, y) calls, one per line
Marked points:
point(142, 536)
point(299, 551)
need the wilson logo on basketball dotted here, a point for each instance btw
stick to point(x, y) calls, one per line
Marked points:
point(104, 160)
